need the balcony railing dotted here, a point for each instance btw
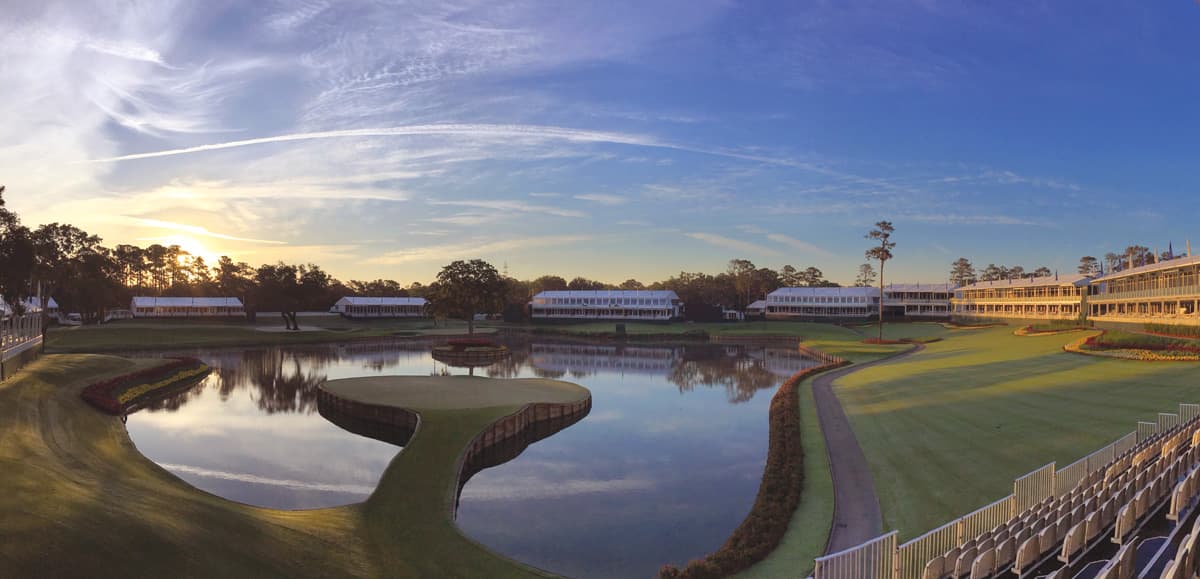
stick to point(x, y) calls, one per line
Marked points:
point(1166, 292)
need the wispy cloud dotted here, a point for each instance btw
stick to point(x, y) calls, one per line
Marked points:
point(195, 230)
point(602, 198)
point(363, 490)
point(799, 245)
point(734, 244)
point(513, 206)
point(472, 249)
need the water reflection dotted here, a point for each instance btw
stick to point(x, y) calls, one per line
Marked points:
point(664, 467)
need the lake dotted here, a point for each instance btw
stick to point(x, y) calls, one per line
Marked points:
point(661, 471)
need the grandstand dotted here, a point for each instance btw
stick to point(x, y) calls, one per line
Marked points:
point(1128, 510)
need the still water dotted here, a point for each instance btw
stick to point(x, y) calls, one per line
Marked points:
point(663, 468)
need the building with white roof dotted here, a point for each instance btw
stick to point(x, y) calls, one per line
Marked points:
point(151, 307)
point(1049, 297)
point(647, 305)
point(1166, 292)
point(32, 305)
point(917, 300)
point(383, 307)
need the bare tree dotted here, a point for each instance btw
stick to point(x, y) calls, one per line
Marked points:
point(882, 253)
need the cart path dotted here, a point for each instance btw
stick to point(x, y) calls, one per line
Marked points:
point(856, 515)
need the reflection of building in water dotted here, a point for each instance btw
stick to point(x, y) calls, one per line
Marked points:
point(584, 359)
point(784, 362)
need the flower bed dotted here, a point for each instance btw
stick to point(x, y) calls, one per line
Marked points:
point(1173, 330)
point(1046, 331)
point(119, 395)
point(1127, 346)
point(778, 494)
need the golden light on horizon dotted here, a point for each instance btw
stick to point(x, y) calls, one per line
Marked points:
point(194, 247)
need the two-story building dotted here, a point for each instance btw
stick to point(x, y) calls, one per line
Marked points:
point(1049, 297)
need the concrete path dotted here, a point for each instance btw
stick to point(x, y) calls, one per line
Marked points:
point(856, 514)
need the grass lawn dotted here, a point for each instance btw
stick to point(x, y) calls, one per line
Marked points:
point(809, 529)
point(165, 334)
point(77, 497)
point(947, 430)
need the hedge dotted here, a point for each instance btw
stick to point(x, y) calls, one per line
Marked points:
point(120, 394)
point(778, 495)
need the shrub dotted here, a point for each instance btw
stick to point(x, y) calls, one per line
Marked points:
point(1174, 330)
point(778, 494)
point(117, 395)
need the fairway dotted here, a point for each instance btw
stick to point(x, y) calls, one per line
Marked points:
point(946, 430)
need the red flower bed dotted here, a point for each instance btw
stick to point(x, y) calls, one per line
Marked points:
point(105, 395)
point(778, 494)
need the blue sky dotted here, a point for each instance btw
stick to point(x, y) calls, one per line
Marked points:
point(607, 139)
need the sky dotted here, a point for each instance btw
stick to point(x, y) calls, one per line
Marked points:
point(612, 139)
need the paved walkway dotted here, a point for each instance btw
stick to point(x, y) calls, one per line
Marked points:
point(856, 514)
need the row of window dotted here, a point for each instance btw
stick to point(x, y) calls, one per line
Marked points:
point(602, 301)
point(821, 300)
point(188, 310)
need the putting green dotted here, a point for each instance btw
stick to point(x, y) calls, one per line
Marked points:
point(454, 392)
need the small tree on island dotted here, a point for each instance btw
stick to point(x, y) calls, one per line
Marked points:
point(883, 234)
point(466, 288)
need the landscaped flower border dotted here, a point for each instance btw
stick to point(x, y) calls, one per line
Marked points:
point(1030, 331)
point(778, 494)
point(117, 396)
point(1090, 346)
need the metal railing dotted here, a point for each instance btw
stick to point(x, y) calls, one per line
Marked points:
point(18, 333)
point(883, 557)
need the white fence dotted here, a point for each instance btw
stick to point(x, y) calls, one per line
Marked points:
point(19, 333)
point(883, 558)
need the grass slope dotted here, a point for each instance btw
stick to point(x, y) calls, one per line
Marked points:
point(166, 334)
point(79, 500)
point(809, 529)
point(947, 430)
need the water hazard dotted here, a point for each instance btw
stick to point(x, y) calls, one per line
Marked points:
point(663, 468)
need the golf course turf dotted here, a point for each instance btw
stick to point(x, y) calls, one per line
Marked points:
point(948, 429)
point(80, 500)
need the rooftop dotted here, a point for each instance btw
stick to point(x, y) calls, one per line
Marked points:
point(171, 302)
point(657, 294)
point(1074, 279)
point(1151, 267)
point(381, 301)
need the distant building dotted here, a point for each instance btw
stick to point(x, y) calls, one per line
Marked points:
point(1049, 297)
point(648, 305)
point(32, 305)
point(919, 301)
point(757, 309)
point(150, 307)
point(386, 307)
point(1167, 292)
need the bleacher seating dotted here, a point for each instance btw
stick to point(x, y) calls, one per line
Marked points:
point(1111, 503)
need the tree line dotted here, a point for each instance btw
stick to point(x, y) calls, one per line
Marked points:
point(962, 272)
point(86, 276)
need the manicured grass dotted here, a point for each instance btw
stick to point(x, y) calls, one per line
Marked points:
point(947, 430)
point(77, 497)
point(809, 529)
point(165, 334)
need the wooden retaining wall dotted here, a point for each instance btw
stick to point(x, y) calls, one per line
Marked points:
point(501, 442)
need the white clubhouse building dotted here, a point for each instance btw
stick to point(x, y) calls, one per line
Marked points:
point(919, 301)
point(1037, 298)
point(1167, 292)
point(644, 305)
point(384, 307)
point(151, 307)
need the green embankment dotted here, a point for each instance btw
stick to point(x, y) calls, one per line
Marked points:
point(165, 334)
point(78, 499)
point(947, 430)
point(809, 529)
